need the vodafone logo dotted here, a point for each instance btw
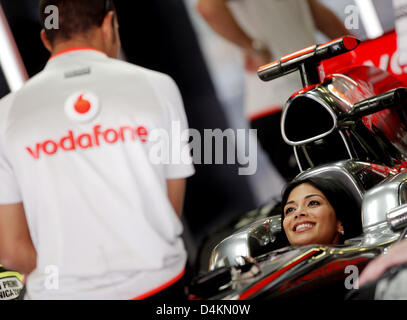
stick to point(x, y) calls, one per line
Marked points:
point(95, 138)
point(82, 106)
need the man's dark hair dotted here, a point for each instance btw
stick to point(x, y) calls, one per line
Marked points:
point(75, 16)
point(347, 208)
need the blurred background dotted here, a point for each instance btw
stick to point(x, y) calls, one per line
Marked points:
point(170, 36)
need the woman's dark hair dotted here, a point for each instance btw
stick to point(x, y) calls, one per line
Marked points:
point(75, 16)
point(347, 208)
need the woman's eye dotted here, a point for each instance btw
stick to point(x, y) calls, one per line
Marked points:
point(289, 210)
point(313, 203)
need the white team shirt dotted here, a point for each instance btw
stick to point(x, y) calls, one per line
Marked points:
point(75, 147)
point(285, 26)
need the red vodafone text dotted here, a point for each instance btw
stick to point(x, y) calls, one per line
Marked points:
point(71, 142)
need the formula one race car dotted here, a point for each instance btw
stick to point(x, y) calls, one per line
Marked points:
point(349, 124)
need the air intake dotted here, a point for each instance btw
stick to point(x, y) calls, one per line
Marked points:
point(306, 119)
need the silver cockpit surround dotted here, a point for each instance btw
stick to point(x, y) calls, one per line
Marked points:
point(342, 170)
point(316, 98)
point(375, 236)
point(230, 250)
point(378, 201)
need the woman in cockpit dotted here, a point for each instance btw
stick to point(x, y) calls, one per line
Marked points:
point(319, 211)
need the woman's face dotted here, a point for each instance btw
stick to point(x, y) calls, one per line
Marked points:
point(309, 218)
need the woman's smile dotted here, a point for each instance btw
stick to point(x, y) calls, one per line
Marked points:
point(303, 226)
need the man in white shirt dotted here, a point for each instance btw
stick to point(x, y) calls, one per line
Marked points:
point(86, 210)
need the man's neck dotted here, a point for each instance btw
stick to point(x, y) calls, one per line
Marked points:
point(71, 44)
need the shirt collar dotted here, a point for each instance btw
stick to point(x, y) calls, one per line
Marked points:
point(75, 49)
point(78, 52)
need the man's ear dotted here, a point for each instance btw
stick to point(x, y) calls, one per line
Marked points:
point(45, 41)
point(108, 26)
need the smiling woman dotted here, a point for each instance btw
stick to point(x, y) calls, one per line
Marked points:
point(319, 211)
